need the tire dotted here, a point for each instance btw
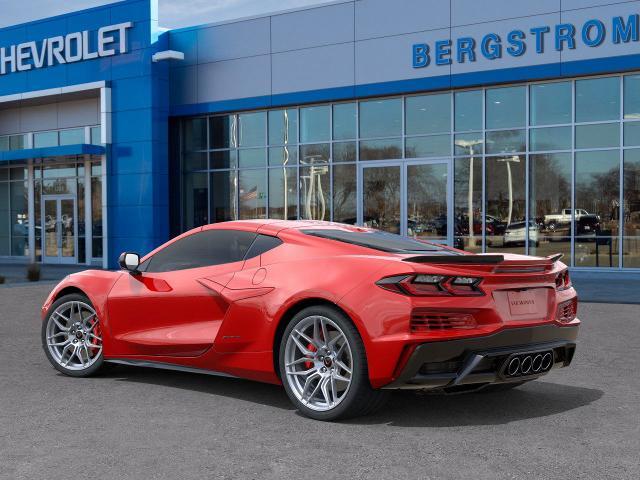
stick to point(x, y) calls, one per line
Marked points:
point(324, 394)
point(502, 387)
point(74, 351)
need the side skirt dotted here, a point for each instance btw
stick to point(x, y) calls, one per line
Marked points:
point(168, 366)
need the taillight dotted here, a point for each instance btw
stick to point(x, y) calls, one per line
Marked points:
point(567, 311)
point(563, 281)
point(424, 285)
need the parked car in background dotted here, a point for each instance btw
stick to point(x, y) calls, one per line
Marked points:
point(515, 234)
point(588, 226)
point(554, 220)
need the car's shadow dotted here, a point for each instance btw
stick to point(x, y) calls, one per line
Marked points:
point(404, 409)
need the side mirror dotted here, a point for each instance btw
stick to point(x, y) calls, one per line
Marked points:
point(129, 261)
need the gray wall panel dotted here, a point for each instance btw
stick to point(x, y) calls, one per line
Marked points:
point(378, 18)
point(79, 113)
point(312, 28)
point(607, 48)
point(466, 12)
point(231, 79)
point(9, 121)
point(573, 4)
point(530, 57)
point(41, 117)
point(313, 68)
point(389, 59)
point(234, 40)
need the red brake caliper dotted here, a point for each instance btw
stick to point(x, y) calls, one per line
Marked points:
point(309, 364)
point(93, 344)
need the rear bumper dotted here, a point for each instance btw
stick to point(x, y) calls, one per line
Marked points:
point(483, 360)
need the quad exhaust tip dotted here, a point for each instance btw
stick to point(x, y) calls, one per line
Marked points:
point(529, 364)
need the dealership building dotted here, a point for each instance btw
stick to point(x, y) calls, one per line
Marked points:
point(487, 125)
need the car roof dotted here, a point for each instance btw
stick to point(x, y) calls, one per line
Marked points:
point(273, 226)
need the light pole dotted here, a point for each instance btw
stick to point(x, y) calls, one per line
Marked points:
point(514, 159)
point(469, 144)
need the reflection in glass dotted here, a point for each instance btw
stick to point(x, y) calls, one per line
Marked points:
point(223, 192)
point(598, 99)
point(631, 134)
point(194, 161)
point(252, 194)
point(314, 124)
point(469, 144)
point(252, 129)
point(72, 137)
point(344, 194)
point(224, 158)
point(283, 155)
point(223, 131)
point(17, 142)
point(505, 204)
point(45, 139)
point(195, 202)
point(428, 114)
point(632, 96)
point(381, 198)
point(601, 135)
point(252, 157)
point(344, 152)
point(631, 240)
point(380, 149)
point(550, 103)
point(67, 225)
point(467, 206)
point(506, 107)
point(550, 138)
point(311, 154)
point(506, 141)
point(381, 118)
point(283, 193)
point(550, 204)
point(194, 134)
point(50, 228)
point(427, 201)
point(19, 218)
point(314, 192)
point(96, 208)
point(344, 121)
point(430, 146)
point(597, 193)
point(283, 126)
point(468, 110)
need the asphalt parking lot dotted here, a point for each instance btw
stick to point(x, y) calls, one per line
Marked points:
point(581, 422)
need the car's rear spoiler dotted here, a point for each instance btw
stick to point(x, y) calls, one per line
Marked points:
point(477, 260)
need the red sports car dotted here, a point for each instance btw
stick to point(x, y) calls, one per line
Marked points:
point(337, 314)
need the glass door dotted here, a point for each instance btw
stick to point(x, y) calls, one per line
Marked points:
point(411, 198)
point(59, 229)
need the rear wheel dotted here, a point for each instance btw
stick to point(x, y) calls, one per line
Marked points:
point(323, 366)
point(71, 336)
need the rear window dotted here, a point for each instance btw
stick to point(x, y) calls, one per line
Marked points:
point(383, 241)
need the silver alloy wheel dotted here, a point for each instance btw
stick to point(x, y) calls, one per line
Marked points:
point(73, 335)
point(318, 363)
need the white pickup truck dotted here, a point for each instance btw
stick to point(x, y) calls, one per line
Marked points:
point(564, 217)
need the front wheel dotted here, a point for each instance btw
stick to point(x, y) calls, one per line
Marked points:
point(323, 366)
point(71, 336)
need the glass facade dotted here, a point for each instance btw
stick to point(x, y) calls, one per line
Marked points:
point(59, 219)
point(534, 168)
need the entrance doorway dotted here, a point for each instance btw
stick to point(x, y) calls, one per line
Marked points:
point(408, 198)
point(59, 229)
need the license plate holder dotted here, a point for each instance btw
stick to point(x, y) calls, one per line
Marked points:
point(522, 302)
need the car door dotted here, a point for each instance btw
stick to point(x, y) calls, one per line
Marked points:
point(173, 307)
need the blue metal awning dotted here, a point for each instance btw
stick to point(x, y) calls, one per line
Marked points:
point(78, 149)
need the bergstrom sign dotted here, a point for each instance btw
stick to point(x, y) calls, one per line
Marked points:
point(74, 47)
point(492, 46)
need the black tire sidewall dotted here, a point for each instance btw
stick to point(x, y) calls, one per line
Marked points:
point(360, 374)
point(43, 337)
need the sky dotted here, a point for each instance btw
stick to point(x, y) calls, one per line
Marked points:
point(173, 13)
